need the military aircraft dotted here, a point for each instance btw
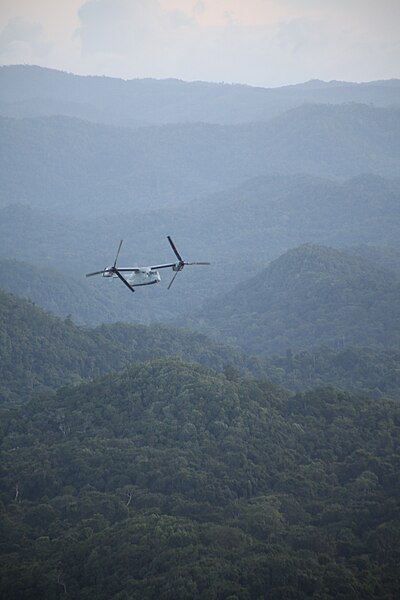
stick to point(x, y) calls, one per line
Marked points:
point(139, 276)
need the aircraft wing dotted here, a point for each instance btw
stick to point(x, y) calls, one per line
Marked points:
point(166, 266)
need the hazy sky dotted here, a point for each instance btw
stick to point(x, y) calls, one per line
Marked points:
point(259, 42)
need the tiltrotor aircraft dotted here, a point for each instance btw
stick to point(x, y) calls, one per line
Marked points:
point(139, 276)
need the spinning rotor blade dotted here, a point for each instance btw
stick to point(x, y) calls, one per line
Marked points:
point(118, 274)
point(98, 272)
point(178, 256)
point(116, 258)
point(172, 280)
point(198, 263)
point(111, 269)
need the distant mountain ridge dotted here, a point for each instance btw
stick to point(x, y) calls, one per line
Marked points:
point(71, 166)
point(263, 218)
point(156, 462)
point(36, 91)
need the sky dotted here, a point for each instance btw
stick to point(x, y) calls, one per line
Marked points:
point(256, 42)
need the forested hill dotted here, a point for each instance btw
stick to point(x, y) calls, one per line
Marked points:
point(39, 351)
point(154, 463)
point(265, 217)
point(169, 481)
point(308, 297)
point(27, 91)
point(72, 166)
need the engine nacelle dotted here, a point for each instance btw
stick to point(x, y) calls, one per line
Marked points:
point(178, 267)
point(108, 273)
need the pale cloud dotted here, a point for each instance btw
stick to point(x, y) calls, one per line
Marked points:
point(222, 13)
point(22, 38)
point(260, 42)
point(53, 23)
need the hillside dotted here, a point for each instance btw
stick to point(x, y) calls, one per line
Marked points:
point(169, 481)
point(387, 258)
point(374, 372)
point(308, 297)
point(74, 167)
point(28, 91)
point(58, 293)
point(235, 437)
point(264, 217)
point(268, 215)
point(42, 352)
point(69, 294)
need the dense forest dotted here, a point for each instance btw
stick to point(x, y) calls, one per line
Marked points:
point(235, 437)
point(40, 352)
point(310, 296)
point(169, 481)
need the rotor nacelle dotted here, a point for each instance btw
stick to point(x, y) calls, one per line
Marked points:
point(138, 276)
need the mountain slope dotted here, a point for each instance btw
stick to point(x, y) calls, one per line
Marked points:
point(240, 231)
point(27, 91)
point(258, 220)
point(69, 294)
point(168, 481)
point(308, 297)
point(75, 167)
point(40, 352)
point(61, 294)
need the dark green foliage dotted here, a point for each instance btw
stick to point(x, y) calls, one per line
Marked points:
point(310, 296)
point(368, 370)
point(169, 481)
point(41, 352)
point(166, 480)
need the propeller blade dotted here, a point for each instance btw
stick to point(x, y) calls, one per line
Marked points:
point(118, 274)
point(116, 258)
point(98, 272)
point(178, 256)
point(172, 280)
point(197, 263)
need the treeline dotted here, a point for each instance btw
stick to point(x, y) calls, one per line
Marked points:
point(308, 297)
point(169, 481)
point(40, 352)
point(371, 371)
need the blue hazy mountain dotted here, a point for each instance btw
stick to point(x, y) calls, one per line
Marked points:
point(240, 231)
point(27, 91)
point(310, 296)
point(72, 166)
